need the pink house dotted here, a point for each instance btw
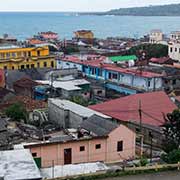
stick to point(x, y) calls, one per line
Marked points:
point(98, 139)
point(49, 35)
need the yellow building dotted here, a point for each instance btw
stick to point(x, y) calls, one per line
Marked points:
point(84, 34)
point(26, 58)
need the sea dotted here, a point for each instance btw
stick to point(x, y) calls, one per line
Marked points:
point(25, 24)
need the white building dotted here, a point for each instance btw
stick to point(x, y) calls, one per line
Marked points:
point(156, 36)
point(175, 36)
point(174, 50)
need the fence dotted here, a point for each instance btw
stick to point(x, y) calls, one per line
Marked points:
point(127, 170)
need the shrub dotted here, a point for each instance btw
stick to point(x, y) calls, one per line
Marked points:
point(172, 157)
point(143, 161)
point(16, 112)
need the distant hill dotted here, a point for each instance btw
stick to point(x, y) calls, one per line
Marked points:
point(161, 10)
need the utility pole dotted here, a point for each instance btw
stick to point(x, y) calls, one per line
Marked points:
point(151, 136)
point(141, 134)
point(140, 116)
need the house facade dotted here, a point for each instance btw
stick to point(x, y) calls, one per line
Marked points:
point(156, 36)
point(126, 80)
point(174, 50)
point(15, 57)
point(117, 146)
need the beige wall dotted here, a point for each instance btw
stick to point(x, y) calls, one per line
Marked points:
point(155, 37)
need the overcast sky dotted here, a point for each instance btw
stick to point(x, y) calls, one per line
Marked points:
point(75, 5)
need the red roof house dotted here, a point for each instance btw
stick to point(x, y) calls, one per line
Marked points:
point(154, 106)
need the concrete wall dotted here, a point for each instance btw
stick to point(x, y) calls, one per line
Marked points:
point(64, 118)
point(58, 115)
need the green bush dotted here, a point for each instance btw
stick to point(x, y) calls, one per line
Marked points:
point(143, 161)
point(16, 111)
point(172, 157)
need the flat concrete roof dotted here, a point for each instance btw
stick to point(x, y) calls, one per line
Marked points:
point(70, 85)
point(18, 165)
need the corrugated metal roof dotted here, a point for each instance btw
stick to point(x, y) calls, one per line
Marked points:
point(98, 125)
point(154, 106)
point(122, 58)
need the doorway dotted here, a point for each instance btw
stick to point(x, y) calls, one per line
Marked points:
point(68, 156)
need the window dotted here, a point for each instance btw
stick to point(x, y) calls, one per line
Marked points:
point(7, 55)
point(22, 66)
point(99, 92)
point(175, 49)
point(34, 154)
point(27, 66)
point(93, 71)
point(174, 81)
point(38, 64)
point(99, 72)
point(13, 55)
point(5, 67)
point(171, 49)
point(12, 67)
point(114, 76)
point(29, 54)
point(110, 75)
point(32, 65)
point(119, 146)
point(24, 54)
point(45, 64)
point(98, 146)
point(38, 53)
point(82, 148)
point(149, 83)
point(52, 64)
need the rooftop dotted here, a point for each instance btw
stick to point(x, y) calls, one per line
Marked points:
point(154, 106)
point(29, 104)
point(70, 85)
point(25, 83)
point(100, 63)
point(122, 58)
point(18, 165)
point(76, 108)
point(98, 125)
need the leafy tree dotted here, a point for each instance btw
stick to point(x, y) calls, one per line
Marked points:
point(172, 131)
point(16, 112)
point(153, 50)
point(172, 157)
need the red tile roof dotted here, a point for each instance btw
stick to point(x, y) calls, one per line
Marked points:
point(159, 60)
point(25, 83)
point(28, 103)
point(154, 106)
point(99, 62)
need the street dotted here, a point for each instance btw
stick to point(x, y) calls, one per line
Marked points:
point(169, 175)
